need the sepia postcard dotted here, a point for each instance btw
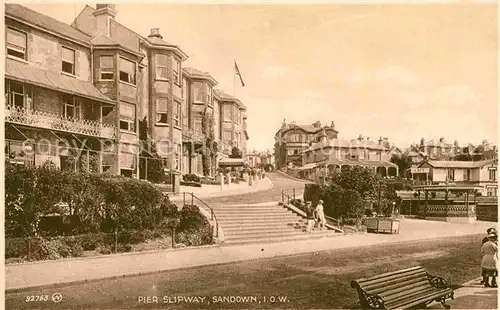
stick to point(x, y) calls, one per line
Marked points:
point(250, 155)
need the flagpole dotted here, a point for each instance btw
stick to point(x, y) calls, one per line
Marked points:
point(234, 79)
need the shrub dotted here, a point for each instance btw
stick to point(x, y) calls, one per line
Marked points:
point(312, 193)
point(104, 249)
point(124, 248)
point(16, 247)
point(48, 249)
point(14, 260)
point(191, 218)
point(195, 237)
point(191, 178)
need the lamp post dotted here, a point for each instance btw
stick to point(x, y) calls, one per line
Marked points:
point(393, 206)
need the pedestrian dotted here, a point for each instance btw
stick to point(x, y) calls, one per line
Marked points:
point(321, 215)
point(489, 250)
point(485, 239)
point(310, 216)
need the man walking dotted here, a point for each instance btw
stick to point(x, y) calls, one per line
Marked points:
point(321, 215)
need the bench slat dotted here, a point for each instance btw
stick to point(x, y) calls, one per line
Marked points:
point(389, 274)
point(380, 281)
point(387, 282)
point(415, 292)
point(389, 294)
point(412, 301)
point(397, 284)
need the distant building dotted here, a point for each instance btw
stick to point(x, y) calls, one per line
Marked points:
point(328, 155)
point(253, 159)
point(291, 139)
point(482, 173)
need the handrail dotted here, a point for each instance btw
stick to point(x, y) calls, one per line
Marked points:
point(204, 204)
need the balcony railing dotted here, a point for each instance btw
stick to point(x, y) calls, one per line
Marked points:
point(192, 134)
point(46, 120)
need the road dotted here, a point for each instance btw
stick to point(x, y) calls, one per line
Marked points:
point(316, 280)
point(280, 183)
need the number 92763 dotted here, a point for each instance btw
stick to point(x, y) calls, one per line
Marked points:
point(35, 298)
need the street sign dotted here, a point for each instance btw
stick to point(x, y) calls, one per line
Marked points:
point(419, 170)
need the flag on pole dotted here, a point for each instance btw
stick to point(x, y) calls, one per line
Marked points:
point(237, 72)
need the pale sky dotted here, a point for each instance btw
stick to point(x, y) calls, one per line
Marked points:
point(398, 71)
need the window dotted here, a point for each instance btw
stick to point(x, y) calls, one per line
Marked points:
point(491, 191)
point(176, 70)
point(71, 108)
point(295, 137)
point(466, 174)
point(16, 43)
point(106, 67)
point(185, 114)
point(227, 135)
point(161, 111)
point(291, 152)
point(492, 174)
point(127, 71)
point(362, 155)
point(295, 152)
point(209, 95)
point(451, 174)
point(227, 112)
point(198, 92)
point(127, 116)
point(197, 124)
point(15, 94)
point(161, 66)
point(177, 113)
point(68, 60)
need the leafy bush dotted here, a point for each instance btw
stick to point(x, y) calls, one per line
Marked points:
point(191, 178)
point(124, 248)
point(16, 247)
point(195, 237)
point(15, 260)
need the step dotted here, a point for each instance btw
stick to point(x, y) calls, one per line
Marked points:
point(232, 230)
point(252, 212)
point(250, 220)
point(258, 234)
point(238, 208)
point(228, 225)
point(280, 239)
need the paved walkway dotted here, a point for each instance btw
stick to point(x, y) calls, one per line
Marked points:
point(472, 295)
point(50, 273)
point(213, 191)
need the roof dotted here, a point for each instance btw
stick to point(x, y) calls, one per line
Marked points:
point(346, 144)
point(225, 97)
point(193, 72)
point(102, 40)
point(43, 21)
point(307, 166)
point(369, 163)
point(25, 73)
point(457, 164)
point(160, 42)
point(447, 187)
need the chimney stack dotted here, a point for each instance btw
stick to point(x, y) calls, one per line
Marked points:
point(155, 33)
point(103, 15)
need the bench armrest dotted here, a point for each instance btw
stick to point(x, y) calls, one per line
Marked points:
point(368, 301)
point(438, 282)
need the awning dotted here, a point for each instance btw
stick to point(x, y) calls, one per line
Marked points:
point(23, 72)
point(307, 167)
point(231, 162)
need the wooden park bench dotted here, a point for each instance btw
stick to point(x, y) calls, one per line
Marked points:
point(408, 288)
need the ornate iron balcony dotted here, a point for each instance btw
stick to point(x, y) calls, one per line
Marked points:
point(20, 115)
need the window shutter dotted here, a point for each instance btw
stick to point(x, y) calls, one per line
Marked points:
point(16, 38)
point(68, 55)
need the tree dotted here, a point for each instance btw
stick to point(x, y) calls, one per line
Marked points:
point(357, 178)
point(354, 205)
point(150, 163)
point(403, 162)
point(236, 153)
point(210, 147)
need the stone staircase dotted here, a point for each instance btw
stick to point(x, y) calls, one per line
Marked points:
point(262, 223)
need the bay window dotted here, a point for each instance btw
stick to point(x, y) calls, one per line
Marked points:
point(198, 92)
point(197, 124)
point(161, 66)
point(209, 95)
point(161, 110)
point(16, 42)
point(227, 136)
point(127, 71)
point(106, 68)
point(127, 116)
point(176, 70)
point(177, 113)
point(227, 112)
point(492, 173)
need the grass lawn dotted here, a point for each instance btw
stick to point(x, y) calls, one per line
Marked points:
point(319, 280)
